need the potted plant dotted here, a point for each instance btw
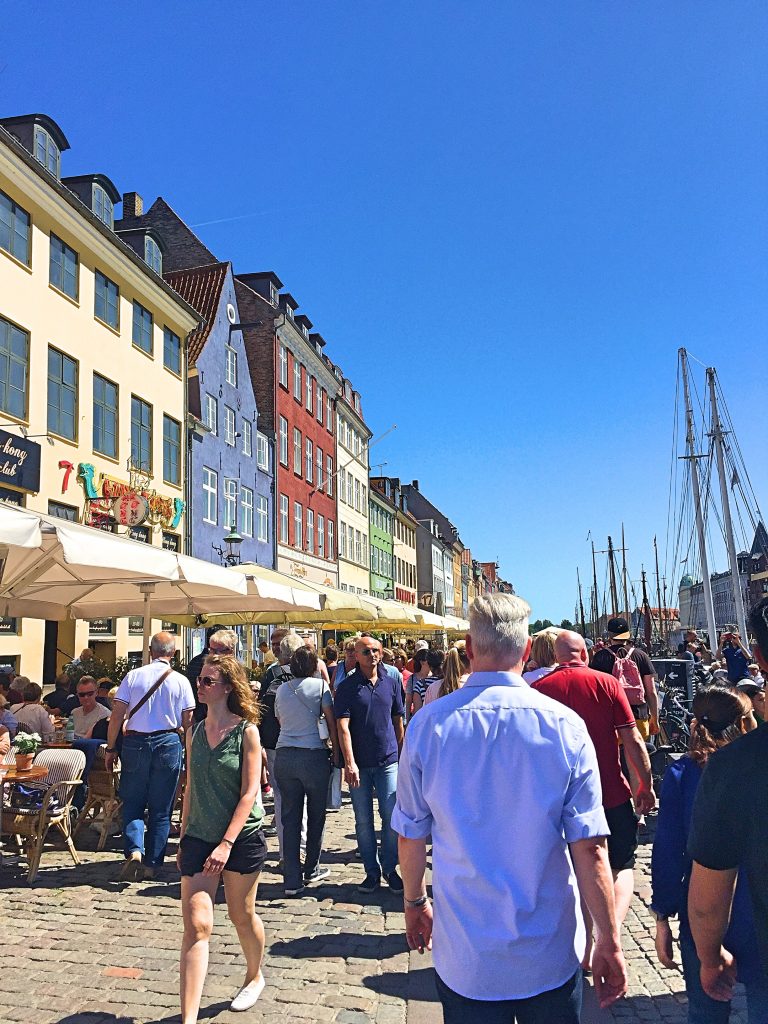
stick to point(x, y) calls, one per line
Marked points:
point(26, 745)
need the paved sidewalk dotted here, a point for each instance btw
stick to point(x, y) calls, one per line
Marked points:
point(80, 948)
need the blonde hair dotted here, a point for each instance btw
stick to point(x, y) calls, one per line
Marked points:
point(452, 673)
point(543, 648)
point(241, 700)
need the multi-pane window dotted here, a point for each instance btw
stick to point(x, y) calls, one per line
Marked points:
point(153, 256)
point(357, 495)
point(230, 502)
point(283, 437)
point(229, 426)
point(283, 519)
point(171, 450)
point(319, 464)
point(102, 206)
point(310, 455)
point(246, 511)
point(329, 475)
point(298, 524)
point(15, 234)
point(310, 389)
point(297, 450)
point(142, 328)
point(210, 496)
point(105, 397)
point(330, 554)
point(262, 451)
point(107, 301)
point(46, 150)
point(342, 486)
point(141, 434)
point(350, 490)
point(297, 379)
point(364, 505)
point(247, 437)
point(342, 539)
point(230, 370)
point(320, 404)
point(328, 414)
point(283, 360)
point(171, 351)
point(14, 369)
point(263, 519)
point(63, 267)
point(211, 414)
point(62, 395)
point(310, 531)
point(358, 547)
point(321, 536)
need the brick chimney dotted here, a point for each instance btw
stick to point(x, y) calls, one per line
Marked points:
point(133, 205)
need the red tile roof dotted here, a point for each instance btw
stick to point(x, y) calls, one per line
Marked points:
point(201, 287)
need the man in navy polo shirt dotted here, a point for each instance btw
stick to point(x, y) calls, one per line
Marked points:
point(369, 711)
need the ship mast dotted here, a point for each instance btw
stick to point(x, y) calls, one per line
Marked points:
point(717, 435)
point(692, 459)
point(612, 577)
point(596, 619)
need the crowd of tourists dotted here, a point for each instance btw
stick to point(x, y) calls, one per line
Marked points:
point(522, 764)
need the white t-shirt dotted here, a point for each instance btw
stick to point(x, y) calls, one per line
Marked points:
point(165, 707)
point(538, 673)
point(34, 718)
point(85, 722)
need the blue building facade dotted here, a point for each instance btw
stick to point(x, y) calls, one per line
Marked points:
point(230, 467)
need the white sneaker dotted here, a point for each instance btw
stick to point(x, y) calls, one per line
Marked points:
point(248, 995)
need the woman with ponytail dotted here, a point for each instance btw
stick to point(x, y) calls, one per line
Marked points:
point(720, 715)
point(455, 671)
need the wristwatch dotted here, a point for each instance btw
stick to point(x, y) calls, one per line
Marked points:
point(111, 750)
point(420, 902)
point(657, 916)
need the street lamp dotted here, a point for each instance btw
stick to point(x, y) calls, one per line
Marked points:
point(230, 555)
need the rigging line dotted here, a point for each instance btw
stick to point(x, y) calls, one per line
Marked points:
point(732, 433)
point(731, 465)
point(673, 467)
point(693, 357)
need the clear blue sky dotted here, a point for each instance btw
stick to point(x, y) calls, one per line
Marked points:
point(503, 217)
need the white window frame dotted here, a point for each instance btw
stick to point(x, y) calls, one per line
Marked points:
point(283, 437)
point(211, 492)
point(211, 414)
point(319, 404)
point(342, 539)
point(309, 387)
point(247, 437)
point(262, 451)
point(230, 425)
point(283, 360)
point(230, 367)
point(321, 535)
point(262, 519)
point(309, 454)
point(328, 414)
point(246, 511)
point(298, 453)
point(310, 537)
point(319, 467)
point(297, 379)
point(230, 502)
point(284, 524)
point(330, 555)
point(298, 525)
point(329, 475)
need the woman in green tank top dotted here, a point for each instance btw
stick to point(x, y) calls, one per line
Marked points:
point(221, 830)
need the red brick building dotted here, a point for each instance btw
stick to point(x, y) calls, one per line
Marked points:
point(296, 394)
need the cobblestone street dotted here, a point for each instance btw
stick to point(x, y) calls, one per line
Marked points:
point(80, 948)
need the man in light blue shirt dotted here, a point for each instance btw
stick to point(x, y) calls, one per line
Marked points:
point(506, 782)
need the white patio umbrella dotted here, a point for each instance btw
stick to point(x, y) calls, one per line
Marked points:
point(53, 569)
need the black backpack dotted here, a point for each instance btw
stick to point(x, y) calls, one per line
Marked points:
point(269, 727)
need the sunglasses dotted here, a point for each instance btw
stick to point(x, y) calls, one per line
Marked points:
point(89, 693)
point(207, 681)
point(369, 652)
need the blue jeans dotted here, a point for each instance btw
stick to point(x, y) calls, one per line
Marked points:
point(557, 1006)
point(385, 782)
point(702, 1009)
point(89, 748)
point(150, 769)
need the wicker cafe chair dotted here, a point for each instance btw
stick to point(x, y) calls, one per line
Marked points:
point(103, 788)
point(31, 825)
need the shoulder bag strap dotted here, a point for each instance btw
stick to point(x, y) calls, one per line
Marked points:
point(300, 699)
point(148, 694)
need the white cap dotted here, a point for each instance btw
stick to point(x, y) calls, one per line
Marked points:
point(421, 645)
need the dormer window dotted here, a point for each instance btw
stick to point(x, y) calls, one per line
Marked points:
point(102, 205)
point(273, 295)
point(290, 311)
point(153, 257)
point(46, 150)
point(305, 331)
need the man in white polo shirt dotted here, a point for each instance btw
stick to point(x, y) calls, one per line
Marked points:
point(156, 705)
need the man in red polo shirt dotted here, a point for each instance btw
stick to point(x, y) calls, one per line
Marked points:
point(599, 699)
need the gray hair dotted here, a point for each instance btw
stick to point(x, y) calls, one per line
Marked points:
point(162, 645)
point(498, 625)
point(225, 638)
point(290, 643)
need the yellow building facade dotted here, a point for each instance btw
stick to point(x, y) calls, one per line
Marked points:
point(92, 375)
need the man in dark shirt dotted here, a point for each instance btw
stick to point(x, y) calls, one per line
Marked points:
point(729, 832)
point(619, 645)
point(61, 699)
point(737, 657)
point(369, 711)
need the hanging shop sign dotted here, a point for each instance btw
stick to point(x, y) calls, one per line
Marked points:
point(19, 463)
point(118, 501)
point(101, 627)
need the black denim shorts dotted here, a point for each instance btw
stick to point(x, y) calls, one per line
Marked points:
point(622, 842)
point(246, 858)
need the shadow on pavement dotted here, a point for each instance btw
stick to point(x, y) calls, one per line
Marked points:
point(343, 944)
